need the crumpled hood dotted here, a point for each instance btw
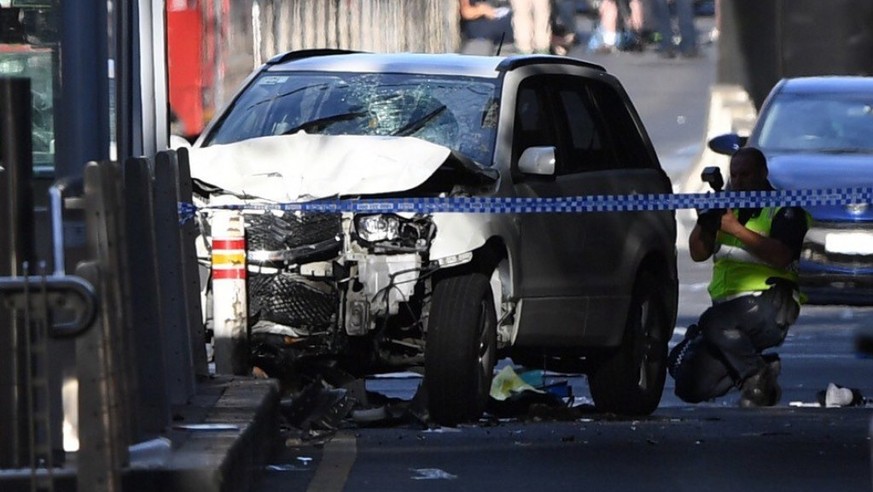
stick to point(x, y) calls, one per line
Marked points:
point(303, 167)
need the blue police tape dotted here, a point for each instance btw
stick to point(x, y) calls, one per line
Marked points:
point(592, 203)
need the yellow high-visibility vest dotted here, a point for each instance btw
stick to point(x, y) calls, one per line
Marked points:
point(736, 271)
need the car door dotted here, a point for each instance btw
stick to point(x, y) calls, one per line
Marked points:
point(607, 155)
point(584, 264)
point(549, 266)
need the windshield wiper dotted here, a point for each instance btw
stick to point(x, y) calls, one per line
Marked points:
point(321, 123)
point(418, 124)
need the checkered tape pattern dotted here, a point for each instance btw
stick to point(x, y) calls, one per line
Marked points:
point(575, 204)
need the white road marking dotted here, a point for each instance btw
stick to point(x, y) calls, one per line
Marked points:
point(336, 464)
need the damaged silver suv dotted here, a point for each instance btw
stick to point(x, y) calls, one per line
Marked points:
point(448, 292)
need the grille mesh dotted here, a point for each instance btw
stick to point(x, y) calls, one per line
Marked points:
point(267, 232)
point(290, 300)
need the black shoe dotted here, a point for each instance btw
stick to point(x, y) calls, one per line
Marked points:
point(761, 389)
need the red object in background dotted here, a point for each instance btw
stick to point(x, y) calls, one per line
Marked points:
point(186, 65)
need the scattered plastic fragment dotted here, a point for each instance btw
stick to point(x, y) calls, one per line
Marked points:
point(207, 427)
point(839, 396)
point(285, 467)
point(431, 474)
point(507, 383)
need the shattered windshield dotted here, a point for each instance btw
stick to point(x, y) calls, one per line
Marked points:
point(457, 112)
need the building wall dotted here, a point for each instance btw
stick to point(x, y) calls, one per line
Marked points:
point(256, 30)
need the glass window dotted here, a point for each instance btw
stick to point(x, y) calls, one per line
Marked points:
point(456, 112)
point(28, 48)
point(532, 127)
point(625, 134)
point(819, 123)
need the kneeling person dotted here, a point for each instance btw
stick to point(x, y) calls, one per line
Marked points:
point(755, 297)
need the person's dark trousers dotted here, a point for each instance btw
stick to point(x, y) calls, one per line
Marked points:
point(566, 14)
point(726, 346)
point(685, 14)
point(738, 330)
point(701, 375)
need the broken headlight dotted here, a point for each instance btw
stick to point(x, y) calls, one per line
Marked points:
point(374, 228)
point(394, 229)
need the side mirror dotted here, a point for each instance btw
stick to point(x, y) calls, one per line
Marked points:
point(727, 144)
point(537, 160)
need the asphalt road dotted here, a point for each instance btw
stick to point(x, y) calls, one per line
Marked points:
point(714, 446)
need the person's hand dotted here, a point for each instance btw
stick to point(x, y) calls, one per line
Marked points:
point(710, 220)
point(730, 224)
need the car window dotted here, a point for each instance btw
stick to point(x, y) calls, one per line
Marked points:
point(456, 112)
point(533, 124)
point(818, 122)
point(585, 150)
point(627, 142)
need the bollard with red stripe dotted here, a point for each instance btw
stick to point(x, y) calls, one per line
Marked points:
point(229, 301)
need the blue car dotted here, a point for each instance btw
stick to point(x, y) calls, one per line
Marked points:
point(817, 132)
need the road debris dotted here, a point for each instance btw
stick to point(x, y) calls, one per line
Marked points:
point(432, 474)
point(839, 396)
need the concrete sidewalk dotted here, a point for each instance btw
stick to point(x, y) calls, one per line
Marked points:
point(218, 442)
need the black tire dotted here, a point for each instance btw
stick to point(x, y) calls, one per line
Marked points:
point(461, 348)
point(630, 380)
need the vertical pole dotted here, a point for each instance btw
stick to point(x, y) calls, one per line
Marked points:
point(83, 115)
point(147, 315)
point(17, 161)
point(171, 277)
point(191, 270)
point(229, 306)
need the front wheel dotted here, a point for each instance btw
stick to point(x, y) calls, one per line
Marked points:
point(461, 348)
point(630, 380)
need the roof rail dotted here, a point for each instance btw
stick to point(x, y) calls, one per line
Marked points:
point(513, 62)
point(300, 54)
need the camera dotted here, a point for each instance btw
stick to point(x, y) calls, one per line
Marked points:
point(712, 176)
point(710, 219)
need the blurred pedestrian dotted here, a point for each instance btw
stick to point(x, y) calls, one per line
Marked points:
point(687, 31)
point(619, 27)
point(484, 26)
point(531, 25)
point(606, 33)
point(564, 34)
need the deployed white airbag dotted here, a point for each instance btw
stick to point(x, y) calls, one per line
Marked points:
point(299, 167)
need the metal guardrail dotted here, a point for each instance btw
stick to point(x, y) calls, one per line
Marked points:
point(138, 293)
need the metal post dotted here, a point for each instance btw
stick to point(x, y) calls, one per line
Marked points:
point(229, 302)
point(146, 313)
point(174, 327)
point(17, 161)
point(83, 115)
point(191, 270)
point(104, 426)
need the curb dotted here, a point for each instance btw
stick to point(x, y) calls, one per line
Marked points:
point(183, 459)
point(219, 460)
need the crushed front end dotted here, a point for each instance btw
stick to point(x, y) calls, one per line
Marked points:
point(348, 290)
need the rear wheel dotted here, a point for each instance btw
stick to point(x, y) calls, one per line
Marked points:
point(461, 348)
point(630, 380)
